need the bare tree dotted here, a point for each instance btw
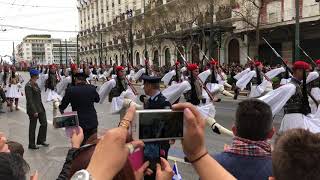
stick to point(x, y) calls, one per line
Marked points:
point(250, 13)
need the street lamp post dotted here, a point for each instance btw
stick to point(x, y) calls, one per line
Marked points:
point(297, 31)
point(66, 43)
point(78, 60)
point(100, 49)
point(130, 14)
point(60, 50)
point(145, 38)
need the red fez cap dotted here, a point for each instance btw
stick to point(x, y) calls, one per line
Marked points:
point(301, 65)
point(177, 63)
point(192, 67)
point(318, 61)
point(257, 63)
point(213, 62)
point(52, 66)
point(73, 67)
point(119, 68)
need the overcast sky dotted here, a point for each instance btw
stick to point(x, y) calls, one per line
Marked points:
point(36, 17)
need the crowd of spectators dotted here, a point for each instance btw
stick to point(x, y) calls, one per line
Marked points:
point(295, 154)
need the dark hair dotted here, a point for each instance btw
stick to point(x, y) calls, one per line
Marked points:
point(296, 155)
point(15, 147)
point(253, 120)
point(13, 167)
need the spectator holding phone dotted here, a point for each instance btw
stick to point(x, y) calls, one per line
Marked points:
point(250, 147)
point(156, 101)
point(113, 144)
point(82, 98)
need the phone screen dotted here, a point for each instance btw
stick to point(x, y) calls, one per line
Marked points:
point(66, 121)
point(152, 154)
point(161, 125)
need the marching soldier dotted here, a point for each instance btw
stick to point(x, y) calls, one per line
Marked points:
point(121, 83)
point(194, 96)
point(293, 97)
point(51, 86)
point(35, 111)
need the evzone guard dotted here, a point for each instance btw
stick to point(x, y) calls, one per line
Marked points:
point(260, 82)
point(215, 81)
point(294, 98)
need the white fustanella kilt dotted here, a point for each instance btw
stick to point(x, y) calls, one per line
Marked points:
point(297, 120)
point(13, 91)
point(53, 96)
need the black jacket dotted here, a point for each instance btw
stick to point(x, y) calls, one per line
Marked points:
point(82, 98)
point(159, 102)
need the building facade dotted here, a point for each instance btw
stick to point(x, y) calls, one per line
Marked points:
point(44, 50)
point(122, 31)
point(64, 51)
point(36, 49)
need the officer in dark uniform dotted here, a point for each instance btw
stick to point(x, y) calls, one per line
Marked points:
point(82, 97)
point(35, 111)
point(156, 101)
point(121, 83)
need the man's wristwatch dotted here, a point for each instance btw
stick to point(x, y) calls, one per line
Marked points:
point(82, 175)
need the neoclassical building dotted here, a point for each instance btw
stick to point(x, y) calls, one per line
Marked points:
point(121, 31)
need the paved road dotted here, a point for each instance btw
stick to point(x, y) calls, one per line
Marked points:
point(48, 161)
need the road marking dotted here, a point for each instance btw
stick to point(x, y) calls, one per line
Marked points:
point(25, 111)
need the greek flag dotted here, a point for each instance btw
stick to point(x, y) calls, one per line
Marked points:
point(176, 176)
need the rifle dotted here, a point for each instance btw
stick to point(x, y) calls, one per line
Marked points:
point(208, 61)
point(289, 69)
point(134, 90)
point(311, 60)
point(202, 84)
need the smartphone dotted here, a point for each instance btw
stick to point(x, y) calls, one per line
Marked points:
point(151, 153)
point(157, 125)
point(66, 120)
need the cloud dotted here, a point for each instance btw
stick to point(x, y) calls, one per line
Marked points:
point(43, 18)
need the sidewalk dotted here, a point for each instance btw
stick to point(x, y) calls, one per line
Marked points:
point(47, 161)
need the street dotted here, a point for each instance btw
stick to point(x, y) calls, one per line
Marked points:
point(49, 161)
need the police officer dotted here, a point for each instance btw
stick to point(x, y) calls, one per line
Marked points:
point(82, 97)
point(35, 111)
point(156, 101)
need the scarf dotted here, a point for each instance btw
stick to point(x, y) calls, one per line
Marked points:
point(247, 147)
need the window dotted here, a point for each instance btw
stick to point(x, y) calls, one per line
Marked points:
point(119, 1)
